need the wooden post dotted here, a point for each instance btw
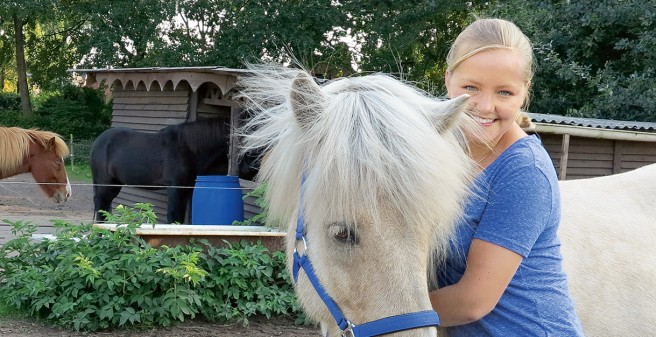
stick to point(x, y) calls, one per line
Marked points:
point(71, 149)
point(564, 154)
point(233, 167)
point(617, 156)
point(192, 114)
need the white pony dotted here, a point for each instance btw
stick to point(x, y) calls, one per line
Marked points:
point(608, 234)
point(374, 173)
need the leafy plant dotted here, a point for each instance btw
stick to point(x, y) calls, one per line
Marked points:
point(90, 278)
point(260, 218)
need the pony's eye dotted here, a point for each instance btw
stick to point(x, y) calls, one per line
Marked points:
point(344, 234)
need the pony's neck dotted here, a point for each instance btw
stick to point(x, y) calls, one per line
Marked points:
point(22, 168)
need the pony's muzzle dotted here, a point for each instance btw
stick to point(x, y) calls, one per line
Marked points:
point(62, 195)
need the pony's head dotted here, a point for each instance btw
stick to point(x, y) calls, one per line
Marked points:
point(385, 174)
point(40, 152)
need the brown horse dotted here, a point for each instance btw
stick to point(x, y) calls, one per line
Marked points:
point(39, 152)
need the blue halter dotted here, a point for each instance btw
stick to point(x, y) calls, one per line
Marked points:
point(409, 321)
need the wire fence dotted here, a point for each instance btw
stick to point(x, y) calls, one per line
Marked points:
point(80, 151)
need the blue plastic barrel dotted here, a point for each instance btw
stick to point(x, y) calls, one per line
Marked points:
point(217, 200)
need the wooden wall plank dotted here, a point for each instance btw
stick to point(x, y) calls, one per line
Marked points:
point(591, 156)
point(584, 172)
point(604, 164)
point(148, 113)
point(250, 207)
point(628, 165)
point(576, 147)
point(159, 122)
point(129, 196)
point(647, 158)
point(148, 100)
point(159, 106)
point(152, 93)
point(138, 127)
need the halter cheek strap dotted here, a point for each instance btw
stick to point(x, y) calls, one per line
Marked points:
point(420, 319)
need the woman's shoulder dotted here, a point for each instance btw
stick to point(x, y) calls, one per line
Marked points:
point(525, 152)
point(527, 156)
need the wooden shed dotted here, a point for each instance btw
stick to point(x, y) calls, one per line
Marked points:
point(586, 147)
point(149, 99)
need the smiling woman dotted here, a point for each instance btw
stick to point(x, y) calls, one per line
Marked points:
point(505, 259)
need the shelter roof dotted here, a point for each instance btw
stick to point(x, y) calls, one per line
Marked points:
point(131, 78)
point(593, 122)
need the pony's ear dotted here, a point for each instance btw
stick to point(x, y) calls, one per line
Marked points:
point(50, 144)
point(307, 100)
point(451, 112)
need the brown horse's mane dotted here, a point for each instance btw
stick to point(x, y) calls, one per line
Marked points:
point(15, 145)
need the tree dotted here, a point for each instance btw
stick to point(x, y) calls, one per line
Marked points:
point(6, 54)
point(119, 34)
point(51, 49)
point(21, 67)
point(20, 14)
point(230, 33)
point(410, 38)
point(594, 58)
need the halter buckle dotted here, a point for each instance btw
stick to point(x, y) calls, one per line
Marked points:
point(304, 244)
point(348, 332)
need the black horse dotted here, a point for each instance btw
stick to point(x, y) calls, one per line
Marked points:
point(174, 156)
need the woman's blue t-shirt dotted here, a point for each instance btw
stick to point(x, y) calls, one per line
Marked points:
point(516, 205)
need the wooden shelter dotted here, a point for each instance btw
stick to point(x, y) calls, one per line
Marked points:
point(150, 99)
point(586, 147)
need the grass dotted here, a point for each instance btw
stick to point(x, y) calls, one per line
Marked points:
point(79, 173)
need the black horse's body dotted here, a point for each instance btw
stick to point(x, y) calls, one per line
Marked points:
point(171, 157)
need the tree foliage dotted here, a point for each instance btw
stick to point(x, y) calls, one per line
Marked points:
point(119, 34)
point(595, 58)
point(409, 38)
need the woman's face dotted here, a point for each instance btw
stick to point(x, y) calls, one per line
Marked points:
point(495, 81)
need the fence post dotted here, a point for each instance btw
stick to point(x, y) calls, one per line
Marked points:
point(71, 148)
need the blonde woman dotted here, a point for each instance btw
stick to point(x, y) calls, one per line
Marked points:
point(503, 275)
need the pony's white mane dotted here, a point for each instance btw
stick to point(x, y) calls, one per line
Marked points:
point(373, 140)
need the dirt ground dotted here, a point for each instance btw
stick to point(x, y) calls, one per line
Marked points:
point(21, 199)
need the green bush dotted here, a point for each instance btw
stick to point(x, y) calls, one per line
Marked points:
point(94, 279)
point(81, 112)
point(15, 118)
point(261, 218)
point(9, 101)
point(74, 110)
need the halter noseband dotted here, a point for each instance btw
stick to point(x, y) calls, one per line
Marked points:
point(409, 321)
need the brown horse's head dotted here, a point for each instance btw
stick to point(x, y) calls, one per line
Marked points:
point(45, 160)
point(40, 152)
